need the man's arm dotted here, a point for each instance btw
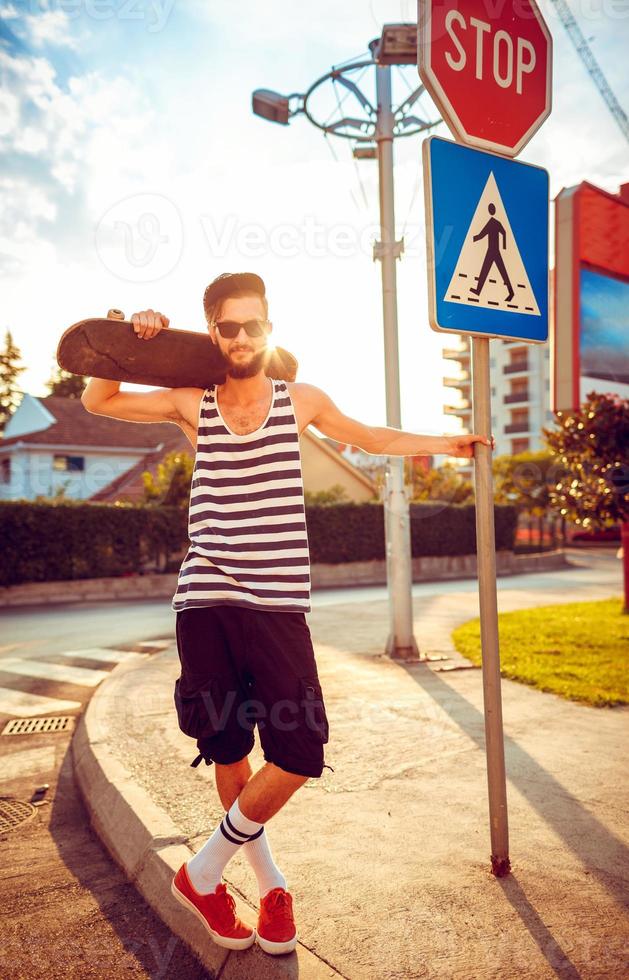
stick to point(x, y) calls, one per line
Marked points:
point(384, 440)
point(158, 405)
point(101, 397)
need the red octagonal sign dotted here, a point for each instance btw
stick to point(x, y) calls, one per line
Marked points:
point(488, 66)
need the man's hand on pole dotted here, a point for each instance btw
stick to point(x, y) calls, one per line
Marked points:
point(463, 445)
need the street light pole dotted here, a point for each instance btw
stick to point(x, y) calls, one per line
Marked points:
point(401, 643)
point(366, 125)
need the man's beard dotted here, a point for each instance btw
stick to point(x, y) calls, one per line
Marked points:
point(248, 369)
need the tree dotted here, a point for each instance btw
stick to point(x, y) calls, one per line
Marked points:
point(10, 368)
point(65, 384)
point(171, 484)
point(593, 444)
point(441, 483)
point(335, 495)
point(524, 479)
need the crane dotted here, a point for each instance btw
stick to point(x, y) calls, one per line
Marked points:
point(583, 50)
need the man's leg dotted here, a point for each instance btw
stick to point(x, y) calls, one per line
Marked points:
point(230, 781)
point(267, 791)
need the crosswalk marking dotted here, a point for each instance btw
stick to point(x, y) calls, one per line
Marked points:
point(63, 673)
point(22, 704)
point(98, 653)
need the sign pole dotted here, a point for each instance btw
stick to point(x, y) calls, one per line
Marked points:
point(486, 557)
point(488, 214)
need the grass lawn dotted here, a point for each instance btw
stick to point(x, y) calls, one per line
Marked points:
point(579, 650)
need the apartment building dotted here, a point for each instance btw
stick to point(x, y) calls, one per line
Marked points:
point(520, 392)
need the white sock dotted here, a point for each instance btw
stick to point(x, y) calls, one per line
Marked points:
point(205, 869)
point(258, 853)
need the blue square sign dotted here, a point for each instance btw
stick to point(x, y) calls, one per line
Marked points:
point(486, 243)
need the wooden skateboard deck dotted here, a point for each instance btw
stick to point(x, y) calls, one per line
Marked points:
point(110, 348)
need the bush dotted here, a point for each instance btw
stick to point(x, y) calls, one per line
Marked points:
point(52, 541)
point(355, 532)
point(46, 542)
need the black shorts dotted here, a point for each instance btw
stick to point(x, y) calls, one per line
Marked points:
point(242, 667)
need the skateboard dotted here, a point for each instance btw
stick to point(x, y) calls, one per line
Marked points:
point(109, 348)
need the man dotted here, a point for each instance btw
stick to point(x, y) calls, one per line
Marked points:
point(244, 588)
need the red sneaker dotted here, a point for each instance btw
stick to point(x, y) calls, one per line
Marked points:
point(217, 912)
point(276, 932)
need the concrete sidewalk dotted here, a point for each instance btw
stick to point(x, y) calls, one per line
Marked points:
point(388, 857)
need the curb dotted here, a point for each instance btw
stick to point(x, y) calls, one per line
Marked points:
point(425, 568)
point(150, 848)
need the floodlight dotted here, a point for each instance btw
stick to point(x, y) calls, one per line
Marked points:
point(270, 105)
point(397, 45)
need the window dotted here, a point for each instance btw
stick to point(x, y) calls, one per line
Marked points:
point(5, 470)
point(69, 464)
point(519, 446)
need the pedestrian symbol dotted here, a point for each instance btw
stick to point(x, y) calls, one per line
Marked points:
point(486, 243)
point(489, 271)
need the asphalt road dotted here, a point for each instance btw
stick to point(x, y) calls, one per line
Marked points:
point(68, 909)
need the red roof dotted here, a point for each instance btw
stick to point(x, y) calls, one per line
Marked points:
point(75, 426)
point(129, 486)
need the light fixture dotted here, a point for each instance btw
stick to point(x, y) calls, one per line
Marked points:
point(397, 45)
point(270, 105)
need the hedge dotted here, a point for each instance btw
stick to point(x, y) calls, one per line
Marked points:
point(46, 542)
point(355, 532)
point(49, 541)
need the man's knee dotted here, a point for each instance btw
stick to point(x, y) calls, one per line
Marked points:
point(300, 770)
point(243, 764)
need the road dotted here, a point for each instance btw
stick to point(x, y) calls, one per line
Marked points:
point(69, 910)
point(52, 657)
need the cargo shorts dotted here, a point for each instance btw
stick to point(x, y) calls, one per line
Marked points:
point(241, 668)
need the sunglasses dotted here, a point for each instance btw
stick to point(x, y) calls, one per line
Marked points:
point(230, 328)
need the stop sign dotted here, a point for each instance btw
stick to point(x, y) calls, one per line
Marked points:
point(488, 66)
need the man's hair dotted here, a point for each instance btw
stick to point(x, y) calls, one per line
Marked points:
point(230, 285)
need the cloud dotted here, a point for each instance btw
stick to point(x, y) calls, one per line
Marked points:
point(49, 28)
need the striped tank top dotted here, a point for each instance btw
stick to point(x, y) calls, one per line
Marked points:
point(247, 520)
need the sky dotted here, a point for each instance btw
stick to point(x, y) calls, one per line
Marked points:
point(134, 172)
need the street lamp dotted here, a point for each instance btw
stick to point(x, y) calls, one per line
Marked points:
point(373, 130)
point(397, 45)
point(271, 105)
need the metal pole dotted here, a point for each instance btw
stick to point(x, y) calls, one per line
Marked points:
point(486, 553)
point(401, 643)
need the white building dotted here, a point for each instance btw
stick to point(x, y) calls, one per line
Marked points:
point(54, 442)
point(520, 392)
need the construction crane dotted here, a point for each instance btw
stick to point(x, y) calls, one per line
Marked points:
point(583, 50)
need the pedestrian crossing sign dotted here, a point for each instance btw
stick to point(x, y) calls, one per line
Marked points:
point(486, 243)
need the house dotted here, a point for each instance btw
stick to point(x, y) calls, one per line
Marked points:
point(54, 442)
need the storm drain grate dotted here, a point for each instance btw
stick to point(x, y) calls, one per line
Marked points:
point(13, 813)
point(28, 726)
